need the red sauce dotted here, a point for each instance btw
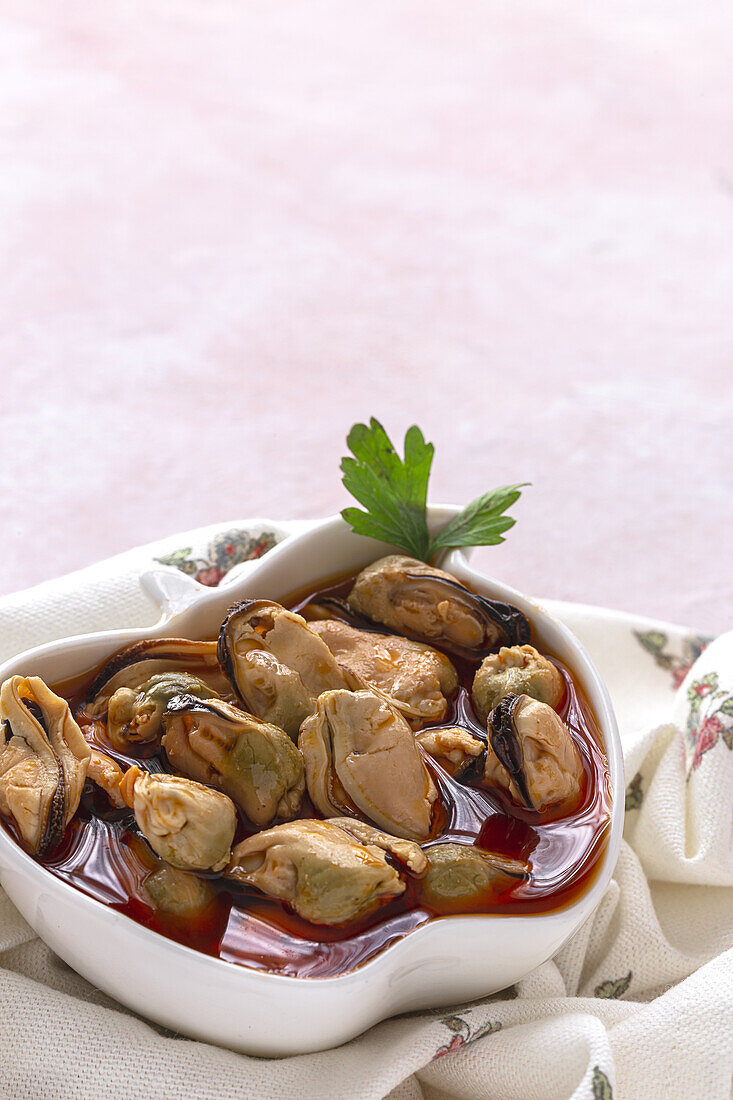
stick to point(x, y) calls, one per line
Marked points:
point(104, 855)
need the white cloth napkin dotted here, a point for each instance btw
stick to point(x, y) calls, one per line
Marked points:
point(639, 1004)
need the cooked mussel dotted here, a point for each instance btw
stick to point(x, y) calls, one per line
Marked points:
point(43, 761)
point(532, 755)
point(319, 868)
point(187, 824)
point(262, 624)
point(179, 893)
point(361, 758)
point(134, 665)
point(453, 747)
point(252, 761)
point(412, 676)
point(106, 774)
point(457, 872)
point(406, 851)
point(432, 606)
point(301, 665)
point(272, 691)
point(134, 715)
point(516, 670)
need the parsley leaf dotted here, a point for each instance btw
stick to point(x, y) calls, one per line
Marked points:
point(393, 492)
point(481, 523)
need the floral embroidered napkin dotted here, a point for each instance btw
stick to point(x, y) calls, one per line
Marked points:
point(638, 1004)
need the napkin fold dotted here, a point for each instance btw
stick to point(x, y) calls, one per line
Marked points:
point(638, 1004)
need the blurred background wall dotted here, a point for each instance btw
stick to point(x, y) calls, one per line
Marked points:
point(229, 230)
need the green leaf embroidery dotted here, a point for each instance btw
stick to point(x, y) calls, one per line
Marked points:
point(177, 557)
point(694, 695)
point(727, 707)
point(455, 1024)
point(653, 641)
point(180, 560)
point(696, 698)
point(727, 737)
point(612, 990)
point(634, 793)
point(657, 643)
point(601, 1085)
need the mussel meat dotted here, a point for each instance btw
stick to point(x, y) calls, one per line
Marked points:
point(300, 667)
point(322, 870)
point(134, 665)
point(532, 755)
point(516, 670)
point(272, 691)
point(134, 715)
point(43, 761)
point(411, 676)
point(187, 824)
point(180, 893)
point(432, 606)
point(106, 774)
point(252, 761)
point(453, 747)
point(361, 758)
point(262, 624)
point(406, 851)
point(457, 872)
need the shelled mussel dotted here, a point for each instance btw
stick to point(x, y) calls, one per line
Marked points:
point(411, 676)
point(361, 758)
point(43, 761)
point(325, 872)
point(187, 824)
point(134, 666)
point(358, 714)
point(532, 755)
point(253, 762)
point(430, 605)
point(276, 664)
point(516, 670)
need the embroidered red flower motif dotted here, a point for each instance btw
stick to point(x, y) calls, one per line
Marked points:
point(258, 550)
point(456, 1042)
point(702, 688)
point(210, 576)
point(678, 675)
point(664, 652)
point(225, 550)
point(707, 735)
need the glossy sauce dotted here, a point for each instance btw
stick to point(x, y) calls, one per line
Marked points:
point(104, 855)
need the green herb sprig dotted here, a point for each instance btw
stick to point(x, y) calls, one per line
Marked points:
point(394, 493)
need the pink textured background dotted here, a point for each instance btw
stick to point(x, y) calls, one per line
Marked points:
point(229, 229)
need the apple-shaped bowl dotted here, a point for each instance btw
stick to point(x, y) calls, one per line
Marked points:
point(445, 961)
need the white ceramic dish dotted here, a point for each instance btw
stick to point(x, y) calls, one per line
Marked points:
point(446, 961)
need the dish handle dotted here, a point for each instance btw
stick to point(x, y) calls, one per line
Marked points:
point(173, 591)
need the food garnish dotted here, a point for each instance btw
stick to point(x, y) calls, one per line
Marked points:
point(394, 492)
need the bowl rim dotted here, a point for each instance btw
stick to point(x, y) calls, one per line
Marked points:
point(456, 561)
